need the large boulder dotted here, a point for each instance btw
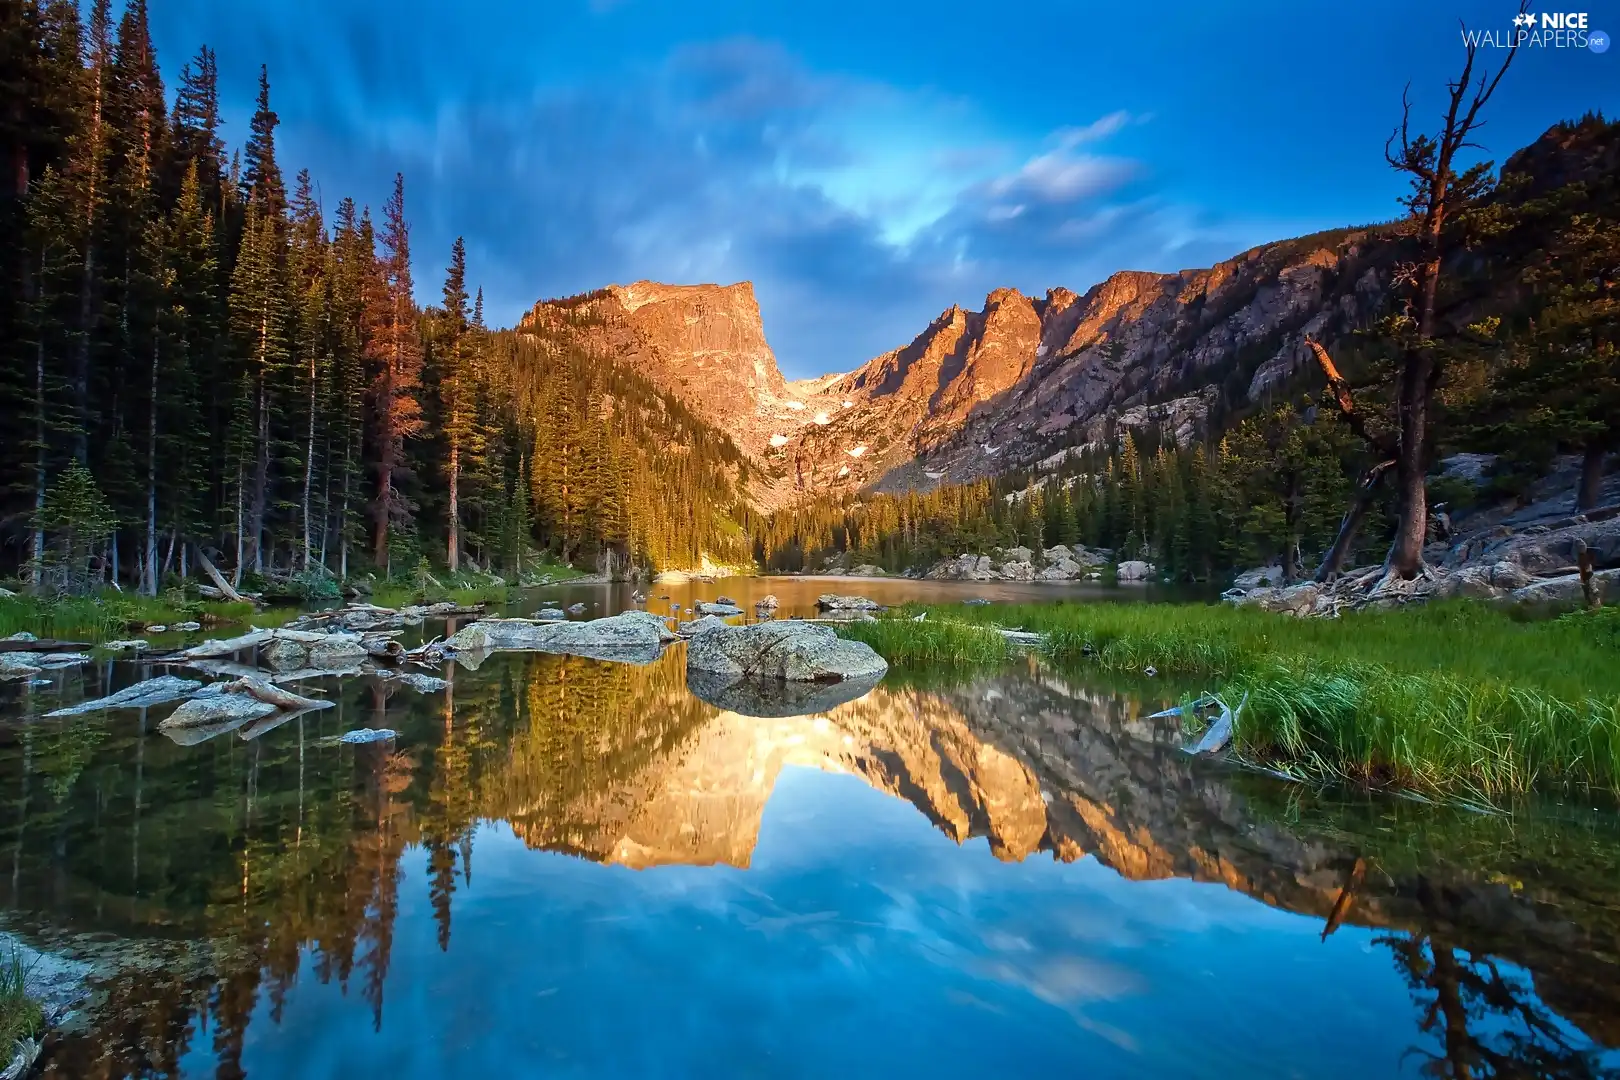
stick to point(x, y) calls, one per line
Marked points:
point(1017, 554)
point(868, 570)
point(706, 608)
point(1483, 582)
point(1017, 571)
point(794, 651)
point(1566, 590)
point(1061, 569)
point(631, 636)
point(288, 651)
point(1545, 549)
point(835, 602)
point(1261, 577)
point(1134, 570)
point(962, 568)
point(1297, 600)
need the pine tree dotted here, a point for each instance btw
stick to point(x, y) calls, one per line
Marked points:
point(395, 353)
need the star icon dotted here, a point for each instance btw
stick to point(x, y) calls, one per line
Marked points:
point(1524, 19)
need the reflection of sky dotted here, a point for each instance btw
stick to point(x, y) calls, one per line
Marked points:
point(862, 943)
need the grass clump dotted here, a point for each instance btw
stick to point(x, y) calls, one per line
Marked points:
point(108, 614)
point(932, 641)
point(21, 1017)
point(1448, 696)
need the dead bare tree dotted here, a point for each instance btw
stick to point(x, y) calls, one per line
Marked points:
point(1440, 190)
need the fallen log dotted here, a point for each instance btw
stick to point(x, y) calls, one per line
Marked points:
point(37, 645)
point(268, 692)
point(224, 587)
point(215, 648)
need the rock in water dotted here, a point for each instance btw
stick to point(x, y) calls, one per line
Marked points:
point(699, 626)
point(1134, 570)
point(768, 602)
point(218, 709)
point(706, 608)
point(17, 666)
point(551, 614)
point(632, 637)
point(792, 651)
point(576, 609)
point(361, 736)
point(156, 691)
point(834, 602)
point(422, 684)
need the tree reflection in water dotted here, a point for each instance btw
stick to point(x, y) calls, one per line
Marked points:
point(220, 872)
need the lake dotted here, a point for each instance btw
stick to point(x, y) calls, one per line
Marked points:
point(570, 868)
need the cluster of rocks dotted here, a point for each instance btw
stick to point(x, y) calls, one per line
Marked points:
point(1057, 563)
point(771, 668)
point(1540, 565)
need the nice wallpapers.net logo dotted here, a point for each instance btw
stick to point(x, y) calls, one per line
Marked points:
point(1546, 30)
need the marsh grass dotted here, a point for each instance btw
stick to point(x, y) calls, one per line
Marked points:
point(20, 1015)
point(107, 615)
point(933, 641)
point(1456, 697)
point(396, 596)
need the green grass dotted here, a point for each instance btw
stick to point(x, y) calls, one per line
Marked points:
point(108, 614)
point(934, 641)
point(20, 1015)
point(398, 596)
point(1447, 697)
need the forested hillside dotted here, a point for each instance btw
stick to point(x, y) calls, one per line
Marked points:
point(199, 356)
point(1523, 368)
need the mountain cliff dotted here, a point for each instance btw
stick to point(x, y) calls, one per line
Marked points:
point(1023, 379)
point(980, 392)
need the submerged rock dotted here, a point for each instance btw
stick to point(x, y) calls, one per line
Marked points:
point(361, 736)
point(724, 609)
point(158, 691)
point(769, 697)
point(793, 651)
point(835, 602)
point(551, 614)
point(422, 684)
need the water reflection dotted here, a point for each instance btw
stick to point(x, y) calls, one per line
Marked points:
point(219, 883)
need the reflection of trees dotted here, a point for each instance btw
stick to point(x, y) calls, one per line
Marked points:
point(241, 865)
point(1484, 1017)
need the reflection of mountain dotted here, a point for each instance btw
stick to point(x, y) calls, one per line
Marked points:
point(1033, 763)
point(287, 849)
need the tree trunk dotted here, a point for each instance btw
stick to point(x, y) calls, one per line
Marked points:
point(309, 457)
point(1350, 524)
point(39, 449)
point(1405, 557)
point(150, 586)
point(1591, 489)
point(261, 470)
point(454, 553)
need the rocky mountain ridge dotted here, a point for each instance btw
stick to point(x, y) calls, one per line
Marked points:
point(1012, 385)
point(1023, 380)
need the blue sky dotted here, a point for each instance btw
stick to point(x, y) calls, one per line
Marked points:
point(865, 164)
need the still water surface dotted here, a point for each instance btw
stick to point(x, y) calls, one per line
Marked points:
point(568, 868)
